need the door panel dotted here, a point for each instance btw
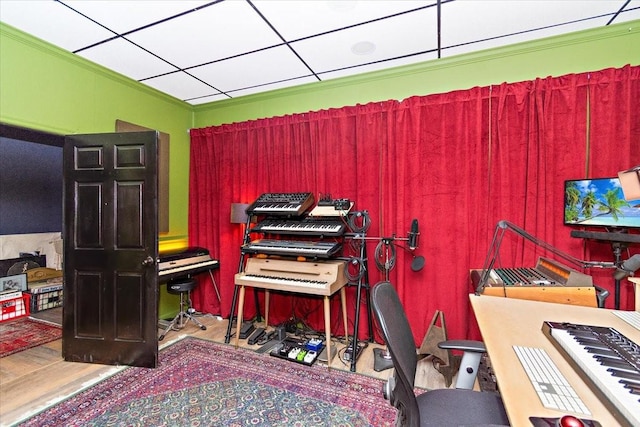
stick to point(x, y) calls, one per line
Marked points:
point(111, 232)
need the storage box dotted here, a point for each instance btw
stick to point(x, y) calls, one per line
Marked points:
point(46, 294)
point(46, 300)
point(14, 308)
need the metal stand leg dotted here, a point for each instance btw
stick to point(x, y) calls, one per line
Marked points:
point(183, 317)
point(215, 286)
point(617, 256)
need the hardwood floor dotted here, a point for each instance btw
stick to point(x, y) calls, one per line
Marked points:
point(34, 379)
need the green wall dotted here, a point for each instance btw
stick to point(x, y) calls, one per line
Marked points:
point(590, 50)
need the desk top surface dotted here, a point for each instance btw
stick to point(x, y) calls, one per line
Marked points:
point(505, 322)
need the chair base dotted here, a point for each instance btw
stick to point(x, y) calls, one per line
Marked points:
point(381, 360)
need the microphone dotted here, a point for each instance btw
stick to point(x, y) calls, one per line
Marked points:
point(413, 235)
point(627, 268)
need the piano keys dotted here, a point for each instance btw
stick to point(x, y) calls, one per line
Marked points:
point(317, 278)
point(607, 360)
point(185, 262)
point(306, 226)
point(312, 249)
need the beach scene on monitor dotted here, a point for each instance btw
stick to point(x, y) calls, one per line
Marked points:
point(599, 203)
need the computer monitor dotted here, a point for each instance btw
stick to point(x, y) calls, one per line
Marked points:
point(599, 202)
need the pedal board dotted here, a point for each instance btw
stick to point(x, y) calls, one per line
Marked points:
point(299, 351)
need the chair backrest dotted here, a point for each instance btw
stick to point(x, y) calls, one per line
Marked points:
point(397, 334)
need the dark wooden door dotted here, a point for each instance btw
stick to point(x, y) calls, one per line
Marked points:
point(110, 309)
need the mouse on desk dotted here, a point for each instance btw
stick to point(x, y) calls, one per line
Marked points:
point(564, 421)
point(569, 421)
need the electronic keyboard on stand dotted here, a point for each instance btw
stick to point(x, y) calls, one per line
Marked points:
point(292, 248)
point(317, 278)
point(307, 227)
point(548, 281)
point(281, 204)
point(607, 360)
point(185, 262)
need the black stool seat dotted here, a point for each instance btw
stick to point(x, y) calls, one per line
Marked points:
point(182, 286)
point(178, 286)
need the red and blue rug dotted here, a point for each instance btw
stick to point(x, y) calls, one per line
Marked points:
point(21, 334)
point(201, 383)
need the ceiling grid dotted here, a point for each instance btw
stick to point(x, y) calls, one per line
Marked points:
point(205, 51)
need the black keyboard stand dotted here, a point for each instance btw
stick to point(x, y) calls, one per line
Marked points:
point(234, 300)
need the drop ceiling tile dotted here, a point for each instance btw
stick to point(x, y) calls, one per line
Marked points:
point(181, 85)
point(259, 68)
point(125, 58)
point(228, 43)
point(122, 16)
point(392, 38)
point(53, 22)
point(219, 31)
point(298, 19)
point(469, 26)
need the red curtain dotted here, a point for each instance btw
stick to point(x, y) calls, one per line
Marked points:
point(458, 162)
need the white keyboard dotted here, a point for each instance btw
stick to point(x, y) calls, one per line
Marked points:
point(631, 317)
point(552, 387)
point(316, 284)
point(187, 268)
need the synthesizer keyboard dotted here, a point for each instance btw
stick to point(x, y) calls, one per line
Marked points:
point(281, 204)
point(292, 248)
point(312, 277)
point(184, 262)
point(607, 360)
point(307, 226)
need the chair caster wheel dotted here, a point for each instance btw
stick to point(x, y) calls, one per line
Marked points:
point(204, 328)
point(161, 337)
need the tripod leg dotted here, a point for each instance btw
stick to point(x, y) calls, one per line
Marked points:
point(172, 325)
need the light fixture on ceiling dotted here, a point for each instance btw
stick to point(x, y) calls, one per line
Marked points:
point(363, 48)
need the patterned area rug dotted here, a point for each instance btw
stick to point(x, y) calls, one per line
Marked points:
point(21, 334)
point(201, 383)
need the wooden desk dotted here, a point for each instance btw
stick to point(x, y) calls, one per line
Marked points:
point(292, 269)
point(505, 322)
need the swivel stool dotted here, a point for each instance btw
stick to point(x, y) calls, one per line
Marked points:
point(183, 287)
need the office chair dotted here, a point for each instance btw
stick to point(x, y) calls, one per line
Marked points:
point(183, 287)
point(438, 408)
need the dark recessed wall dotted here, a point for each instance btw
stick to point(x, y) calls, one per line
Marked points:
point(30, 184)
